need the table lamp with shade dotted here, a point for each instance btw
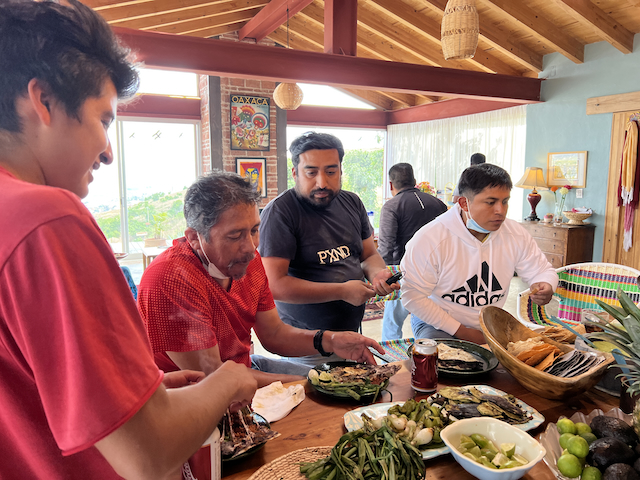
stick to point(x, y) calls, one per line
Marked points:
point(533, 178)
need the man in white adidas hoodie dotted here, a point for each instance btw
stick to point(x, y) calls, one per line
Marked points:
point(465, 259)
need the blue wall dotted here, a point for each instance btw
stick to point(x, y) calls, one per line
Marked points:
point(561, 124)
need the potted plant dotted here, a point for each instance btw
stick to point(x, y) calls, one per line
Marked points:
point(623, 335)
point(158, 224)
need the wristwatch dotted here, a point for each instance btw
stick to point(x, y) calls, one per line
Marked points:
point(317, 343)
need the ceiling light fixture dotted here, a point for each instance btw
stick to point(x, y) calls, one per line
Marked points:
point(460, 29)
point(288, 96)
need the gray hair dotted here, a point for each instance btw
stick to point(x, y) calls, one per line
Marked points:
point(212, 195)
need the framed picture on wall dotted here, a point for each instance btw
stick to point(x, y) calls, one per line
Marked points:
point(254, 170)
point(249, 127)
point(567, 168)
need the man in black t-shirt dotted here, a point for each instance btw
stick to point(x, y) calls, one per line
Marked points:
point(317, 246)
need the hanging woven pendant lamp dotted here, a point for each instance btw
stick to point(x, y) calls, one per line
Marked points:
point(460, 28)
point(288, 96)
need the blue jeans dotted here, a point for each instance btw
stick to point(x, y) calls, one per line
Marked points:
point(424, 330)
point(394, 316)
point(282, 366)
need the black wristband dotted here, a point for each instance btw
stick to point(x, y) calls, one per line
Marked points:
point(317, 344)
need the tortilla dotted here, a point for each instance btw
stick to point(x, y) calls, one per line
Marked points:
point(547, 362)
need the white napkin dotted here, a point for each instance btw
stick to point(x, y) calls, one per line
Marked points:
point(582, 210)
point(274, 402)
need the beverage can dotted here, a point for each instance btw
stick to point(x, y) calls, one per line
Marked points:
point(424, 365)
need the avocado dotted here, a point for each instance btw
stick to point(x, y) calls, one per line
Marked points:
point(607, 451)
point(603, 426)
point(620, 471)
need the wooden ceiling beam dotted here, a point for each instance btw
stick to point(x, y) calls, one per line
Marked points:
point(400, 100)
point(239, 59)
point(594, 17)
point(100, 5)
point(341, 27)
point(126, 12)
point(499, 40)
point(213, 31)
point(370, 97)
point(371, 44)
point(424, 26)
point(182, 16)
point(297, 42)
point(540, 28)
point(407, 42)
point(188, 26)
point(276, 13)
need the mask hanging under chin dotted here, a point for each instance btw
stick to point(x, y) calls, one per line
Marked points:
point(211, 268)
point(472, 224)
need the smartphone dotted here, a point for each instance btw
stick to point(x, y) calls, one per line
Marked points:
point(394, 278)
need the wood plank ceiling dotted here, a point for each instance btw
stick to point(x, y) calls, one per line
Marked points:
point(514, 34)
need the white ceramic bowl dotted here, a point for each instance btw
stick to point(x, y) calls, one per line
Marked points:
point(499, 432)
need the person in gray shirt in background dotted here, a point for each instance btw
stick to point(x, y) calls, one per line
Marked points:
point(401, 217)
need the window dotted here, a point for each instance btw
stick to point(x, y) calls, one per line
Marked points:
point(163, 82)
point(140, 196)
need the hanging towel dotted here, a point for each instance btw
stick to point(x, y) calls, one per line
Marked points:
point(629, 181)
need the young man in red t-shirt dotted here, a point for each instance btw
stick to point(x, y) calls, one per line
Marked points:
point(81, 396)
point(202, 296)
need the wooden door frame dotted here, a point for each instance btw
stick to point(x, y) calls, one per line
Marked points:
point(622, 106)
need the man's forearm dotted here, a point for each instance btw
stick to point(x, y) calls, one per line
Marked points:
point(296, 290)
point(372, 265)
point(172, 425)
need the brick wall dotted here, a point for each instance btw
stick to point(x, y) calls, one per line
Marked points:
point(203, 84)
point(229, 86)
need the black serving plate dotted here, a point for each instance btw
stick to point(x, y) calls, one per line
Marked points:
point(483, 355)
point(326, 366)
point(260, 420)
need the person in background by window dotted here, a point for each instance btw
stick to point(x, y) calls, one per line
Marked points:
point(400, 218)
point(465, 259)
point(81, 395)
point(317, 245)
point(201, 298)
point(476, 159)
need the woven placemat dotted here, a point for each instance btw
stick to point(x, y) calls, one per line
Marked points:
point(287, 467)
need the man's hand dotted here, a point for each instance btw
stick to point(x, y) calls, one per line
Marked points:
point(356, 292)
point(379, 283)
point(541, 293)
point(237, 378)
point(470, 335)
point(351, 345)
point(182, 378)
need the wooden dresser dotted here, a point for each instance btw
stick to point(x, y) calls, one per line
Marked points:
point(563, 244)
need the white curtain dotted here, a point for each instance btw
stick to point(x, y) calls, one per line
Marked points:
point(439, 150)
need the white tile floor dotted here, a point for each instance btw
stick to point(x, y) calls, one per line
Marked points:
point(373, 328)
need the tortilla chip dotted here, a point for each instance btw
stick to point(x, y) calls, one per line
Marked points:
point(539, 356)
point(516, 348)
point(562, 335)
point(547, 362)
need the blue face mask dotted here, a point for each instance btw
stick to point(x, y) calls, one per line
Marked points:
point(471, 223)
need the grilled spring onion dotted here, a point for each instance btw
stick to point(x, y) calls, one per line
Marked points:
point(368, 454)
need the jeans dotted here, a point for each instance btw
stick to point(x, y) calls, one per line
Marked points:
point(424, 330)
point(394, 316)
point(283, 366)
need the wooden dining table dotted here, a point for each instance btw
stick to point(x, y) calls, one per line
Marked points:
point(318, 421)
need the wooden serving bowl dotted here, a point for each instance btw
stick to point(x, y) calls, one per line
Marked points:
point(500, 327)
